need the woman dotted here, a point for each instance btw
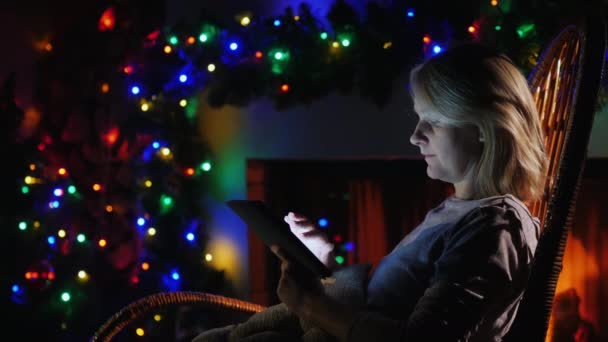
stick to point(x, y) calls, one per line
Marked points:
point(461, 273)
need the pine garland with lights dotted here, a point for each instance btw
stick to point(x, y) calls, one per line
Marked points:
point(294, 59)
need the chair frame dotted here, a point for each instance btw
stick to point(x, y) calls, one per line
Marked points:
point(532, 320)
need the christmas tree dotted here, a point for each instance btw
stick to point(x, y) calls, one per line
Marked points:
point(110, 196)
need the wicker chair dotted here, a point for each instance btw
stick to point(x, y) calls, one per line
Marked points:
point(565, 83)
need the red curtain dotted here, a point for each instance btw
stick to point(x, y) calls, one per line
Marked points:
point(367, 227)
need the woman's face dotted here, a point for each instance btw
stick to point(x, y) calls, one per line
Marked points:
point(451, 153)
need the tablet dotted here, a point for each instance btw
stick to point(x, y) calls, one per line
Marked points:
point(273, 230)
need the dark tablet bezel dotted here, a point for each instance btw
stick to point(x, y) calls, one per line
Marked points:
point(274, 231)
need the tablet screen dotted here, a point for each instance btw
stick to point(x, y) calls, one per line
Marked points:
point(272, 230)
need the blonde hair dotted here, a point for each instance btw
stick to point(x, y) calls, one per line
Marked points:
point(471, 84)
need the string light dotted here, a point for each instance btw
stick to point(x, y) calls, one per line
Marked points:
point(190, 40)
point(81, 238)
point(96, 187)
point(208, 257)
point(494, 3)
point(61, 233)
point(285, 88)
point(145, 266)
point(190, 171)
point(102, 243)
point(65, 296)
point(203, 38)
point(139, 332)
point(151, 231)
point(167, 49)
point(245, 21)
point(323, 35)
point(148, 183)
point(173, 40)
point(22, 225)
point(158, 317)
point(206, 166)
point(83, 275)
point(211, 67)
point(259, 54)
point(105, 88)
point(183, 103)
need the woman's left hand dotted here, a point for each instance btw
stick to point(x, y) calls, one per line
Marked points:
point(297, 296)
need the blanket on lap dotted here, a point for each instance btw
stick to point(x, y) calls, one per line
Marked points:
point(276, 323)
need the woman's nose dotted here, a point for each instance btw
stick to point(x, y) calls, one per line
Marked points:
point(417, 138)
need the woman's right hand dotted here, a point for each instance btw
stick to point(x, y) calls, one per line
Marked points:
point(312, 237)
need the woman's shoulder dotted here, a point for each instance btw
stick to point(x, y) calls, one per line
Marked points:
point(504, 212)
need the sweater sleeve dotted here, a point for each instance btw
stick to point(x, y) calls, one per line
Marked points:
point(482, 261)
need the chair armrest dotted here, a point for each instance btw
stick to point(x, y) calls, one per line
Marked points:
point(144, 305)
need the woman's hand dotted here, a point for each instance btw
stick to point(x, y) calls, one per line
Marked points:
point(297, 291)
point(307, 299)
point(312, 237)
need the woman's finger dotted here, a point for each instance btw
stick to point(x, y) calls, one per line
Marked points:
point(279, 253)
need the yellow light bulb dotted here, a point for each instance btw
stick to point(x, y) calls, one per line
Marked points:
point(151, 231)
point(157, 317)
point(145, 107)
point(61, 233)
point(139, 332)
point(211, 67)
point(183, 102)
point(148, 183)
point(208, 257)
point(245, 21)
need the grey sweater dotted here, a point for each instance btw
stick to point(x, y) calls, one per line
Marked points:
point(458, 276)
